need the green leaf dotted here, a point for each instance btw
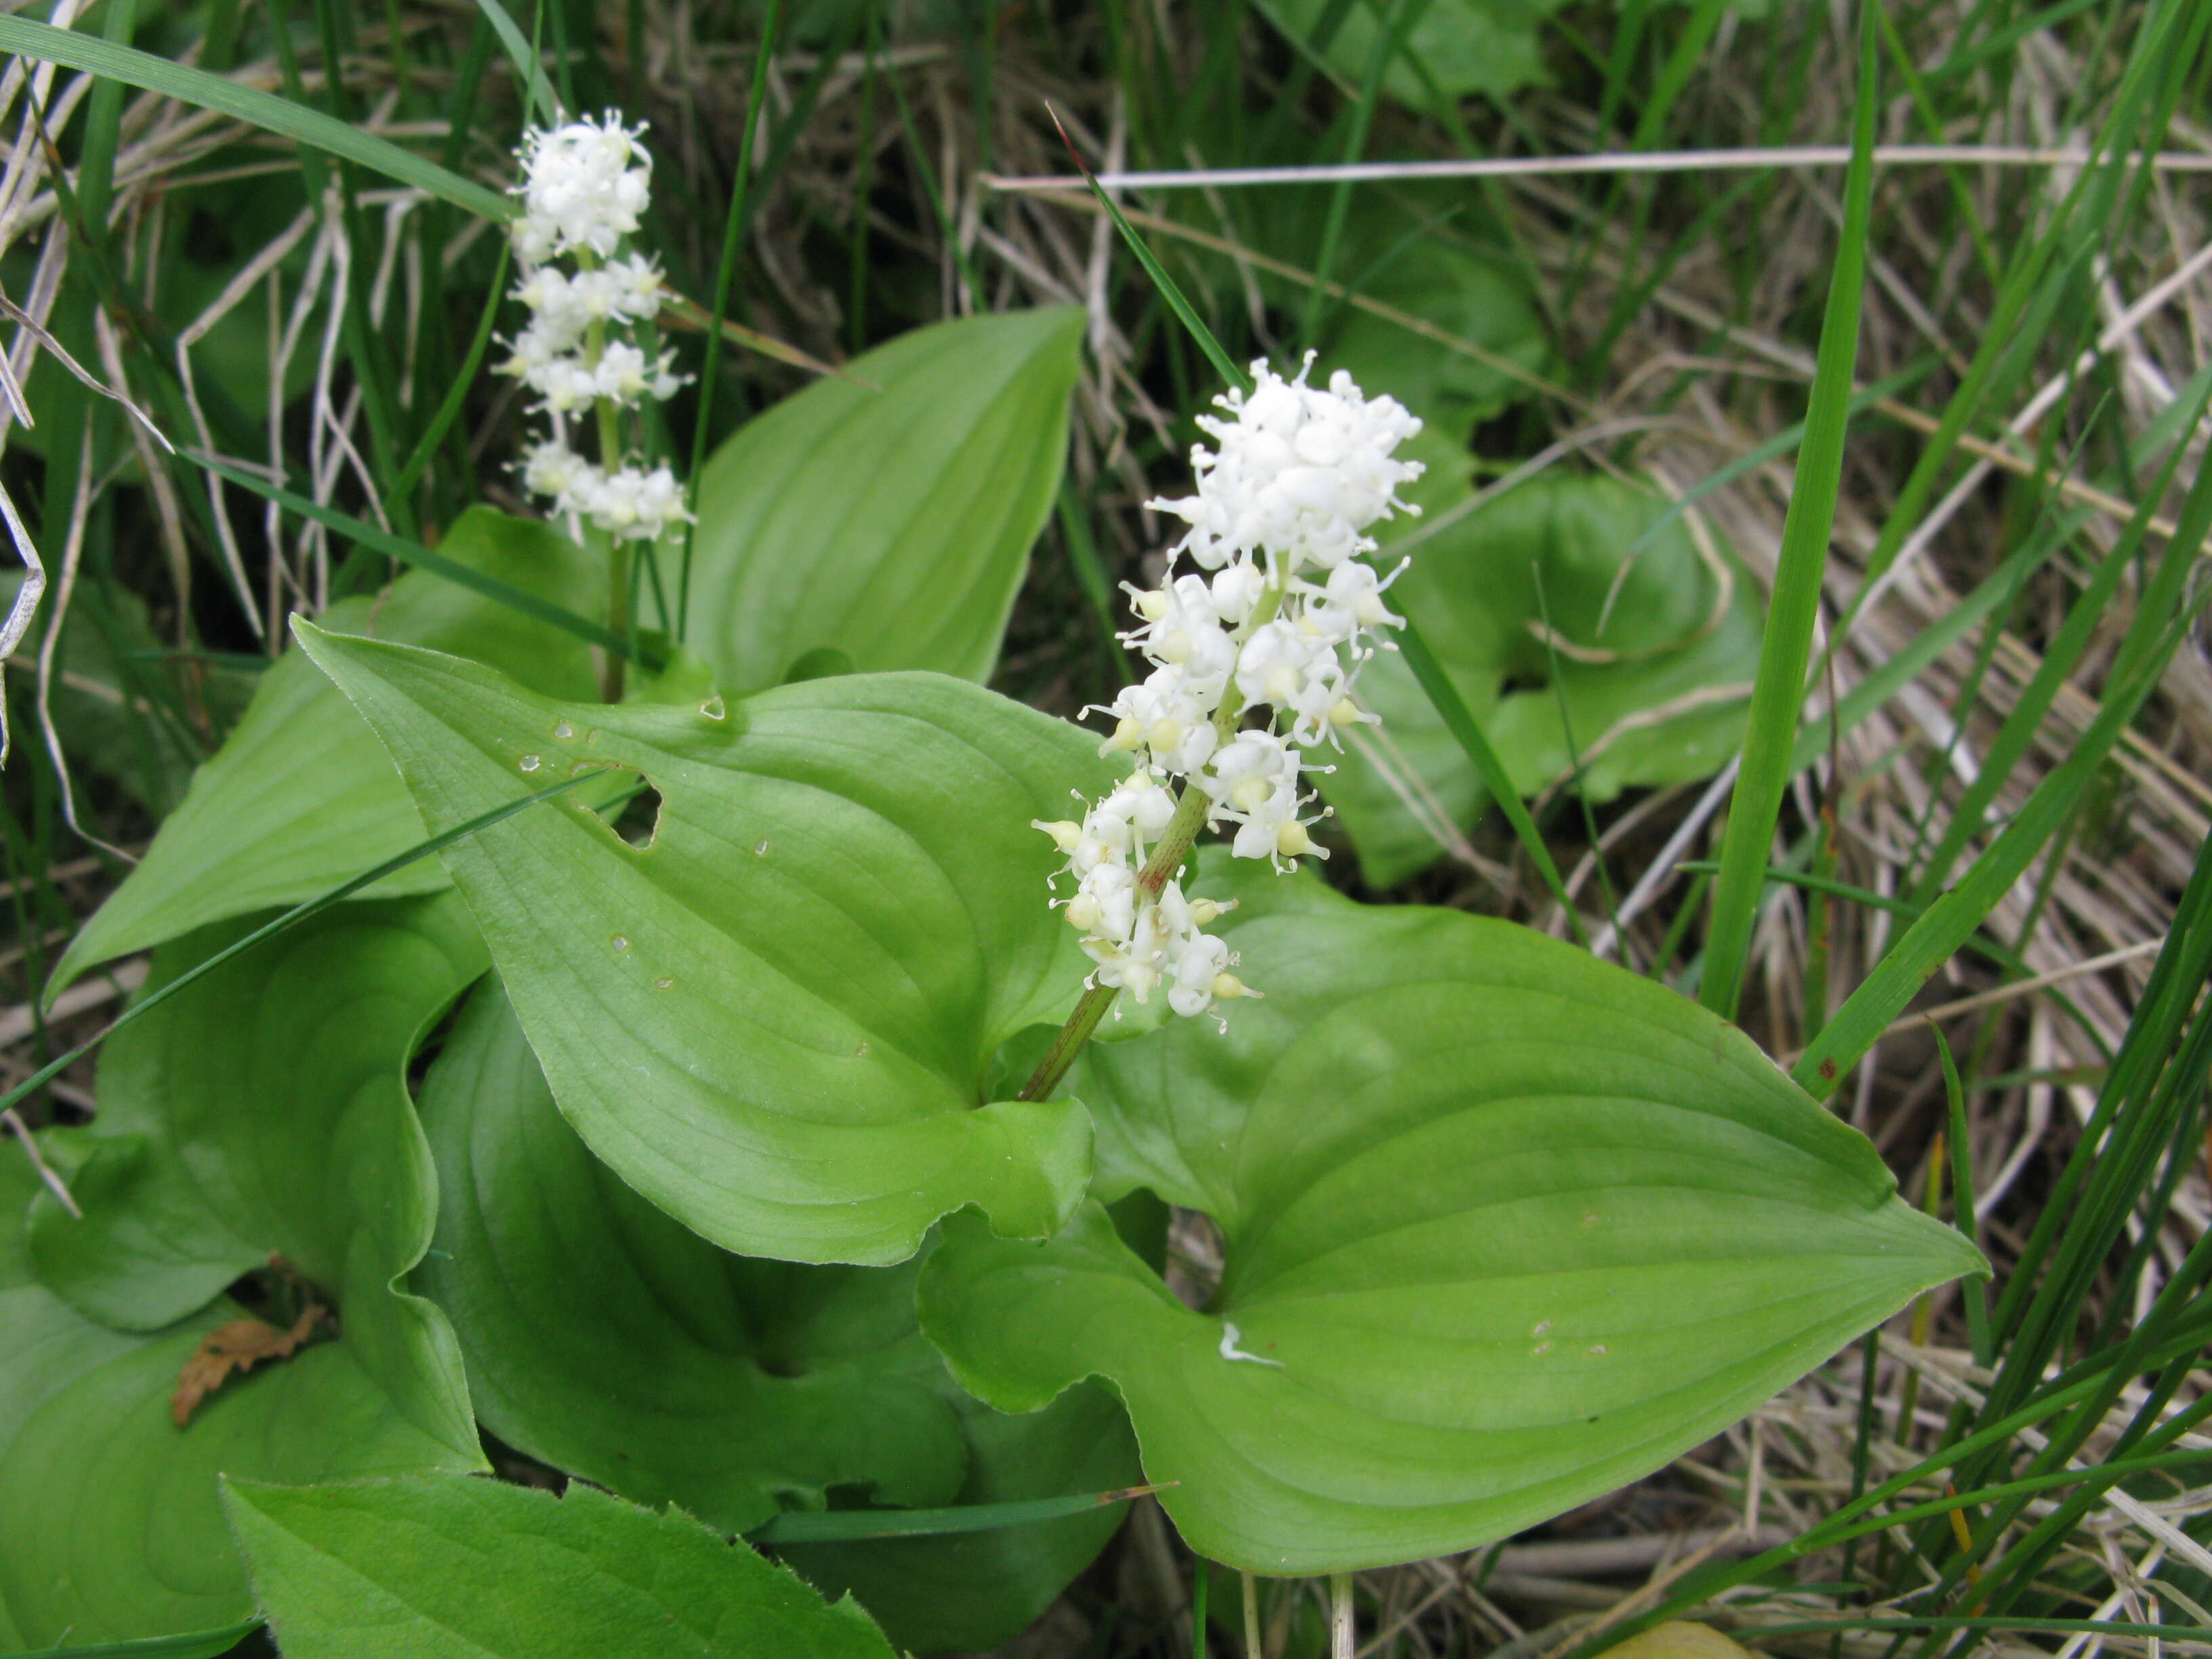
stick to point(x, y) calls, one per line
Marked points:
point(775, 1020)
point(607, 1340)
point(1648, 671)
point(1506, 1227)
point(1793, 607)
point(263, 1113)
point(194, 1644)
point(45, 44)
point(1469, 48)
point(109, 1524)
point(894, 525)
point(968, 1591)
point(454, 1568)
point(302, 795)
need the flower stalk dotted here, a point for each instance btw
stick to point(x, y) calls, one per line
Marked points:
point(1277, 630)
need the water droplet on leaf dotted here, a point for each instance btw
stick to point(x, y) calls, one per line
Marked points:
point(662, 984)
point(562, 729)
point(760, 850)
point(715, 709)
point(619, 942)
point(530, 762)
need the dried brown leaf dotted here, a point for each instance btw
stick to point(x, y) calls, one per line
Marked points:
point(237, 1346)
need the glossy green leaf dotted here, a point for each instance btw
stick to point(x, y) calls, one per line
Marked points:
point(302, 795)
point(605, 1339)
point(1645, 679)
point(264, 1115)
point(111, 1527)
point(1505, 1228)
point(453, 1568)
point(893, 525)
point(776, 1021)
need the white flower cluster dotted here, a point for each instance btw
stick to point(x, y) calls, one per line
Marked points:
point(1278, 626)
point(584, 185)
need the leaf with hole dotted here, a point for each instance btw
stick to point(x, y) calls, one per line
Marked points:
point(1506, 1227)
point(607, 1340)
point(302, 795)
point(453, 1568)
point(775, 1019)
point(888, 515)
point(111, 1526)
point(1569, 642)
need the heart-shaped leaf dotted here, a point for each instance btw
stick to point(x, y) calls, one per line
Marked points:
point(776, 1019)
point(607, 1340)
point(1644, 676)
point(261, 1114)
point(111, 1527)
point(301, 795)
point(1506, 1227)
point(889, 514)
point(454, 1568)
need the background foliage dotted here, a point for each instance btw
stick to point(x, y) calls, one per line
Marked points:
point(1990, 810)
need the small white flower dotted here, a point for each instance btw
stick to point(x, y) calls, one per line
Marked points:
point(584, 185)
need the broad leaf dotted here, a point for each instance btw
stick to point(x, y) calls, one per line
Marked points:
point(607, 1340)
point(302, 795)
point(264, 1114)
point(111, 1527)
point(1644, 676)
point(892, 525)
point(776, 1020)
point(1505, 1228)
point(453, 1568)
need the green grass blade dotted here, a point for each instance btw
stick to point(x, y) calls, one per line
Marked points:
point(1780, 690)
point(1947, 923)
point(843, 1526)
point(2087, 614)
point(265, 110)
point(291, 918)
point(1467, 732)
point(1973, 1292)
point(538, 91)
point(726, 276)
point(1185, 313)
point(449, 406)
point(381, 541)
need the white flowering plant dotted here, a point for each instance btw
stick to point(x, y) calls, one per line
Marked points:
point(815, 1084)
